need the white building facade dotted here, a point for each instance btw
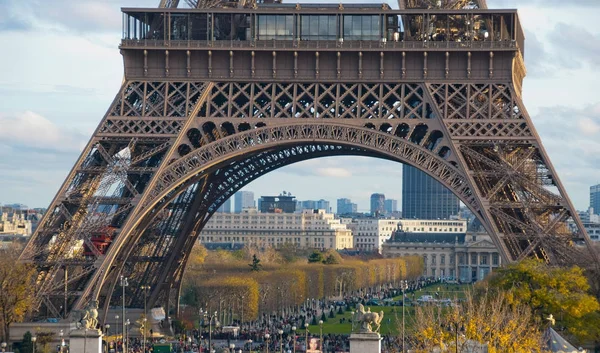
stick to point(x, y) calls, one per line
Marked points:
point(463, 257)
point(15, 224)
point(311, 229)
point(370, 233)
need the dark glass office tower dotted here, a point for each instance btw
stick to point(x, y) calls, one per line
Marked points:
point(595, 198)
point(424, 197)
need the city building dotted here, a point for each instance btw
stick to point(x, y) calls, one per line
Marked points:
point(591, 223)
point(466, 257)
point(595, 199)
point(370, 233)
point(377, 204)
point(312, 229)
point(593, 230)
point(313, 205)
point(345, 206)
point(243, 199)
point(433, 225)
point(225, 207)
point(285, 203)
point(424, 197)
point(15, 223)
point(390, 206)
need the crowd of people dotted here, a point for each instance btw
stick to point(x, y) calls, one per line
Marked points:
point(252, 336)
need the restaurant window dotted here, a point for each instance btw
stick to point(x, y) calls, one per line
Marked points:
point(279, 27)
point(362, 27)
point(318, 27)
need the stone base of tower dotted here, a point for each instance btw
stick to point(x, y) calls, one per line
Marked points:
point(365, 343)
point(85, 341)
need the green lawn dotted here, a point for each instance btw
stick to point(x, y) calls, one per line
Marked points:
point(392, 315)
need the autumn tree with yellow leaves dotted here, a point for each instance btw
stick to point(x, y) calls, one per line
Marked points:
point(484, 319)
point(563, 292)
point(280, 283)
point(16, 289)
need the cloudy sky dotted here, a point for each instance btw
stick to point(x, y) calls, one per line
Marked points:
point(61, 69)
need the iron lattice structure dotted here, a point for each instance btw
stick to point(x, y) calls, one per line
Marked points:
point(208, 105)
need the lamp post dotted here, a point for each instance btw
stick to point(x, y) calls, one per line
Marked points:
point(306, 333)
point(321, 334)
point(249, 342)
point(231, 348)
point(33, 339)
point(210, 319)
point(117, 332)
point(242, 318)
point(62, 341)
point(294, 333)
point(3, 346)
point(267, 339)
point(124, 284)
point(107, 329)
point(145, 289)
point(280, 341)
point(126, 334)
point(404, 286)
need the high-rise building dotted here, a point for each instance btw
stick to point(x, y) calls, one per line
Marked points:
point(391, 206)
point(243, 199)
point(282, 203)
point(345, 206)
point(225, 207)
point(595, 199)
point(314, 205)
point(377, 204)
point(424, 197)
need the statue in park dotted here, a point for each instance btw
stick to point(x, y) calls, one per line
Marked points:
point(89, 316)
point(366, 319)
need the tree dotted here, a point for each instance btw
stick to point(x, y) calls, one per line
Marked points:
point(43, 339)
point(197, 257)
point(562, 292)
point(315, 257)
point(486, 319)
point(255, 265)
point(323, 317)
point(27, 344)
point(332, 257)
point(16, 289)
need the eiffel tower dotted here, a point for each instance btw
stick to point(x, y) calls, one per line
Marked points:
point(223, 92)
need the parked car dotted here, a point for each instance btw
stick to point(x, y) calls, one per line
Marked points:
point(375, 302)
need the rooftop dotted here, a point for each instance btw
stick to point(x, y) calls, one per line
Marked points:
point(440, 238)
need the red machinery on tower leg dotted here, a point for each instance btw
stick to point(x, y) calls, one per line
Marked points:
point(101, 240)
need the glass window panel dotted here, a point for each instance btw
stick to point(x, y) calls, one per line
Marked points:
point(314, 26)
point(305, 26)
point(289, 26)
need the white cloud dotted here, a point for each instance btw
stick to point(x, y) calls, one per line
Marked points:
point(33, 130)
point(334, 172)
point(588, 126)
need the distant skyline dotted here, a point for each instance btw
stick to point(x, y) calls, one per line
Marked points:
point(63, 69)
